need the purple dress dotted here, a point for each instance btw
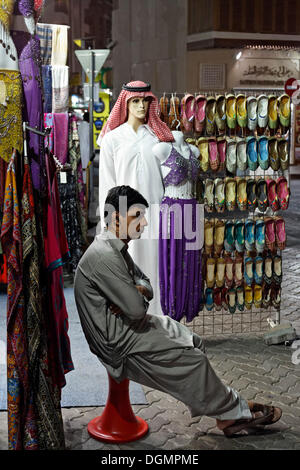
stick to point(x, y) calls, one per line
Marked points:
point(179, 251)
point(29, 54)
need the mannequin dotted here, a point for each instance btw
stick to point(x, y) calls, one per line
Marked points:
point(179, 257)
point(126, 157)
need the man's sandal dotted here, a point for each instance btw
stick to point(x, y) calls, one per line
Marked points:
point(270, 415)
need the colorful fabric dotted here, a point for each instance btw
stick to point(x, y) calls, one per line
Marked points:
point(8, 56)
point(60, 88)
point(59, 45)
point(60, 136)
point(6, 10)
point(47, 82)
point(118, 114)
point(181, 168)
point(3, 169)
point(11, 133)
point(48, 122)
point(179, 268)
point(25, 7)
point(45, 34)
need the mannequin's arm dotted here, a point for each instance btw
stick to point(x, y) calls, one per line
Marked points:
point(162, 151)
point(195, 150)
point(107, 176)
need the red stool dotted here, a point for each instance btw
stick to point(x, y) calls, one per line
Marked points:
point(117, 423)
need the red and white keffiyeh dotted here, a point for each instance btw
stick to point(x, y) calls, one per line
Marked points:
point(118, 114)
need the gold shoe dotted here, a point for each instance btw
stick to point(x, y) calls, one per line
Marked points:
point(210, 272)
point(220, 275)
point(202, 144)
point(208, 236)
point(257, 296)
point(219, 234)
point(248, 297)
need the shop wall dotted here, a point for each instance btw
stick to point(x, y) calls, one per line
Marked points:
point(151, 43)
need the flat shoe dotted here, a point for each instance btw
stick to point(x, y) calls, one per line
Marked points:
point(272, 195)
point(248, 297)
point(209, 195)
point(251, 113)
point(221, 144)
point(257, 296)
point(262, 111)
point(270, 233)
point(221, 113)
point(283, 153)
point(240, 299)
point(210, 115)
point(241, 195)
point(208, 237)
point(241, 154)
point(241, 424)
point(220, 272)
point(219, 236)
point(250, 234)
point(275, 411)
point(241, 111)
point(230, 194)
point(280, 233)
point(252, 158)
point(199, 121)
point(273, 112)
point(260, 238)
point(273, 154)
point(263, 153)
point(210, 272)
point(277, 270)
point(229, 241)
point(187, 112)
point(283, 192)
point(231, 110)
point(239, 234)
point(262, 195)
point(251, 194)
point(231, 155)
point(231, 300)
point(219, 195)
point(284, 110)
point(213, 154)
point(202, 144)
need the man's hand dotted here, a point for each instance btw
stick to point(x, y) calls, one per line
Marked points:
point(144, 291)
point(115, 309)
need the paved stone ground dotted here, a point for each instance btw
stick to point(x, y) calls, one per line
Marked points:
point(260, 372)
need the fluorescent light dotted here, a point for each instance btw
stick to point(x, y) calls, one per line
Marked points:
point(239, 55)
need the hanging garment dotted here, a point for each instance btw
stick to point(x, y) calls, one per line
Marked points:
point(8, 56)
point(49, 122)
point(56, 254)
point(59, 45)
point(60, 88)
point(84, 136)
point(47, 83)
point(60, 136)
point(44, 396)
point(26, 8)
point(3, 169)
point(6, 10)
point(179, 247)
point(44, 32)
point(11, 133)
point(21, 419)
point(29, 54)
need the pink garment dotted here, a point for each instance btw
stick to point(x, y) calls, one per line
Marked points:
point(118, 114)
point(60, 136)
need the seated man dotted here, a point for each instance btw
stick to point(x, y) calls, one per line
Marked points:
point(112, 296)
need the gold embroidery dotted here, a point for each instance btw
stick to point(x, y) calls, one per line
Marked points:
point(11, 135)
point(6, 9)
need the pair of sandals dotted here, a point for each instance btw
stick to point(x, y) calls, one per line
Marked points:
point(275, 233)
point(272, 270)
point(278, 153)
point(267, 415)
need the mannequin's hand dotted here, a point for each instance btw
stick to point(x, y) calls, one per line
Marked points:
point(143, 291)
point(115, 310)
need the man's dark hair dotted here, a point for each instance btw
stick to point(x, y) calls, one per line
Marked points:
point(134, 198)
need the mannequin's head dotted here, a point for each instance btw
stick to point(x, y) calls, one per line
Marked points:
point(137, 108)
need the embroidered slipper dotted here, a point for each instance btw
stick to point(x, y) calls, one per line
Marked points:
point(251, 113)
point(202, 144)
point(219, 195)
point(238, 271)
point(241, 154)
point(208, 237)
point(258, 270)
point(251, 194)
point(210, 115)
point(224, 298)
point(248, 271)
point(217, 295)
point(239, 234)
point(262, 195)
point(266, 297)
point(277, 269)
point(241, 111)
point(276, 296)
point(250, 234)
point(231, 110)
point(263, 152)
point(209, 299)
point(280, 233)
point(187, 113)
point(200, 191)
point(273, 154)
point(283, 153)
point(260, 240)
point(231, 155)
point(283, 192)
point(240, 299)
point(262, 111)
point(221, 143)
point(209, 195)
point(241, 196)
point(272, 195)
point(219, 236)
point(257, 296)
point(273, 112)
point(220, 274)
point(252, 153)
point(229, 272)
point(231, 300)
point(199, 122)
point(221, 113)
point(248, 297)
point(210, 272)
point(284, 110)
point(230, 193)
point(229, 240)
point(268, 271)
point(213, 154)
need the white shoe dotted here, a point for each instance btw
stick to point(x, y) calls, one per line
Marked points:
point(241, 154)
point(231, 155)
point(262, 111)
point(251, 113)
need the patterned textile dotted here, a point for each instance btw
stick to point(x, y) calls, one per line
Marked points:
point(45, 34)
point(56, 254)
point(47, 82)
point(59, 45)
point(60, 88)
point(38, 7)
point(181, 168)
point(118, 114)
point(21, 425)
point(3, 169)
point(49, 122)
point(60, 136)
point(6, 9)
point(30, 67)
point(8, 55)
point(26, 8)
point(11, 134)
point(43, 395)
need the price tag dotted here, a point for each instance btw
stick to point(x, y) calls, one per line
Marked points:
point(63, 177)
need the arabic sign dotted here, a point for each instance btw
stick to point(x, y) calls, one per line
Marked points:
point(265, 72)
point(276, 71)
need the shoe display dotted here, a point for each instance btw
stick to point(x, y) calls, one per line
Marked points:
point(231, 155)
point(220, 272)
point(209, 195)
point(219, 236)
point(209, 299)
point(273, 112)
point(260, 239)
point(221, 144)
point(268, 271)
point(213, 154)
point(221, 113)
point(251, 113)
point(272, 195)
point(252, 153)
point(248, 271)
point(280, 233)
point(270, 233)
point(238, 271)
point(230, 193)
point(284, 110)
point(263, 152)
point(240, 299)
point(210, 115)
point(229, 272)
point(231, 300)
point(262, 111)
point(283, 192)
point(283, 153)
point(231, 110)
point(220, 195)
point(248, 297)
point(210, 272)
point(208, 236)
point(241, 110)
point(239, 234)
point(241, 196)
point(174, 114)
point(262, 195)
point(258, 270)
point(257, 296)
point(229, 240)
point(163, 106)
point(250, 234)
point(277, 269)
point(273, 154)
point(251, 194)
point(187, 113)
point(199, 113)
point(241, 154)
point(202, 144)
